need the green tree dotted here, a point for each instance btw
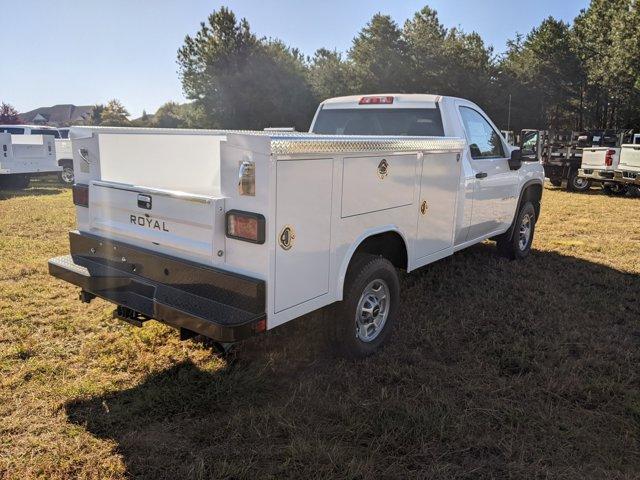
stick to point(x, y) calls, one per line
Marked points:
point(114, 114)
point(238, 81)
point(8, 114)
point(545, 77)
point(95, 116)
point(330, 75)
point(169, 115)
point(425, 37)
point(380, 59)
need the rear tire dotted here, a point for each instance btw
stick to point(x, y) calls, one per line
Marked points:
point(576, 183)
point(615, 189)
point(364, 319)
point(555, 182)
point(516, 243)
point(66, 175)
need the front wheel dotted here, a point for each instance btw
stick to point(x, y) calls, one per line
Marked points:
point(556, 182)
point(516, 244)
point(578, 184)
point(365, 317)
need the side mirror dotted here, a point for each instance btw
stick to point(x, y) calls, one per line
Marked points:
point(515, 162)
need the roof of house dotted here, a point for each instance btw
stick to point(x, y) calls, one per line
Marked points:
point(58, 114)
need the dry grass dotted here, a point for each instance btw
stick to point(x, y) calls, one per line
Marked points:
point(497, 370)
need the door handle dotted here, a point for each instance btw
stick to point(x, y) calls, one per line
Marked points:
point(481, 175)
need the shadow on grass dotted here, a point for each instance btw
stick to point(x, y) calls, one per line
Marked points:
point(496, 369)
point(46, 185)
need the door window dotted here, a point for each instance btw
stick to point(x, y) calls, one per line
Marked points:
point(484, 141)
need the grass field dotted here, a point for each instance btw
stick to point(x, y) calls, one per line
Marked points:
point(497, 369)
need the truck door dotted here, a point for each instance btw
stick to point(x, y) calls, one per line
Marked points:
point(495, 184)
point(439, 185)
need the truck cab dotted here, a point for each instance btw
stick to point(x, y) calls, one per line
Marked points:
point(255, 229)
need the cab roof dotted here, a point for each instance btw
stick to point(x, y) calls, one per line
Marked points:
point(400, 100)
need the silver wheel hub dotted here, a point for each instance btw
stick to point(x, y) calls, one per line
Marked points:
point(525, 232)
point(580, 182)
point(67, 175)
point(372, 310)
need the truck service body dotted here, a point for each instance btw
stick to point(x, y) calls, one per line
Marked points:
point(35, 162)
point(230, 233)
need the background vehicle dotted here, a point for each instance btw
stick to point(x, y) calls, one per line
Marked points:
point(64, 158)
point(628, 171)
point(600, 161)
point(22, 156)
point(258, 228)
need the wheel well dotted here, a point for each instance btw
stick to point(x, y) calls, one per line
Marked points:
point(389, 245)
point(533, 194)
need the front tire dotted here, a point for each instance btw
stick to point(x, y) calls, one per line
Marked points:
point(576, 183)
point(516, 244)
point(364, 319)
point(556, 182)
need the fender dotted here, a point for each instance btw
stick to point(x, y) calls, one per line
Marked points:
point(342, 271)
point(525, 185)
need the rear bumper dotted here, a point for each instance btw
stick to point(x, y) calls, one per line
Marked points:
point(220, 305)
point(625, 176)
point(598, 175)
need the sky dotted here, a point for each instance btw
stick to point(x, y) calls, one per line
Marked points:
point(89, 51)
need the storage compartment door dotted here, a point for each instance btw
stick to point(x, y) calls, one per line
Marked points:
point(303, 226)
point(376, 183)
point(437, 204)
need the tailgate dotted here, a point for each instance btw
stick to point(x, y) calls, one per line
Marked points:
point(170, 222)
point(630, 157)
point(594, 158)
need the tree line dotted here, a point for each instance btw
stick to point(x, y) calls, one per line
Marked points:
point(583, 75)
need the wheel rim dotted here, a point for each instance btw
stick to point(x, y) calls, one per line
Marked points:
point(580, 183)
point(525, 232)
point(67, 175)
point(372, 311)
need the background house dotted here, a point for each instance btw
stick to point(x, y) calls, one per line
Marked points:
point(57, 115)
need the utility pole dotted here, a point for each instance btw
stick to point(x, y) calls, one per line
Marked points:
point(509, 115)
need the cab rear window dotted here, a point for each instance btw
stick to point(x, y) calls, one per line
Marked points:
point(380, 121)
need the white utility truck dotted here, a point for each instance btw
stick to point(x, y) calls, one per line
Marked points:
point(63, 164)
point(628, 171)
point(22, 156)
point(229, 233)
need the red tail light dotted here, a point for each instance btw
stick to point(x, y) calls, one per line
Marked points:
point(81, 195)
point(376, 100)
point(608, 159)
point(245, 226)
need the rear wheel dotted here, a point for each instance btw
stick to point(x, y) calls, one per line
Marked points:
point(617, 189)
point(576, 183)
point(516, 244)
point(556, 182)
point(365, 318)
point(66, 175)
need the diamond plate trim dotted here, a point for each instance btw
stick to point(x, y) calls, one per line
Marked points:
point(345, 144)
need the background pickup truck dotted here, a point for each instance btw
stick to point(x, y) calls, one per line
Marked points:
point(228, 234)
point(628, 171)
